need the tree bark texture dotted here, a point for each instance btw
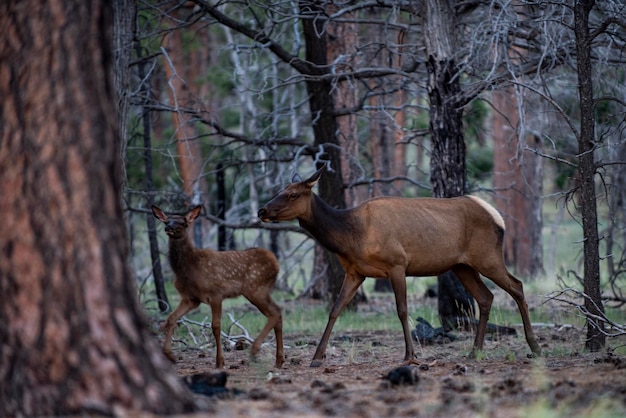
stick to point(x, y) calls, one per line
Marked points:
point(325, 129)
point(124, 29)
point(386, 133)
point(386, 130)
point(342, 38)
point(586, 147)
point(447, 161)
point(447, 166)
point(155, 254)
point(189, 156)
point(73, 338)
point(180, 70)
point(518, 183)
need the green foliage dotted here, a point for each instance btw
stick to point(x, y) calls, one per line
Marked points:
point(474, 121)
point(221, 81)
point(479, 163)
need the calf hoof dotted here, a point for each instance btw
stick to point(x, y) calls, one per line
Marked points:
point(170, 356)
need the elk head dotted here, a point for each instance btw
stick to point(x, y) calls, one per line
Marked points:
point(176, 225)
point(294, 201)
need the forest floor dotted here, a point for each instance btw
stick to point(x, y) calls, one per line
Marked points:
point(502, 382)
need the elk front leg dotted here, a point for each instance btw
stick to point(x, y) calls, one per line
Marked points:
point(183, 307)
point(348, 289)
point(398, 284)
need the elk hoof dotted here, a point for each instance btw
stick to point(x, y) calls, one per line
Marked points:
point(535, 349)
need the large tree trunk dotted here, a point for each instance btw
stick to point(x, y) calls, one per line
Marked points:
point(342, 39)
point(155, 255)
point(518, 183)
point(325, 131)
point(447, 161)
point(398, 166)
point(124, 28)
point(586, 145)
point(385, 131)
point(73, 337)
point(177, 64)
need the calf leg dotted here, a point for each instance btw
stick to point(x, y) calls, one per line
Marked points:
point(348, 289)
point(183, 307)
point(274, 320)
point(216, 327)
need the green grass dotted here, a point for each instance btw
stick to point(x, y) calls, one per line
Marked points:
point(562, 250)
point(311, 318)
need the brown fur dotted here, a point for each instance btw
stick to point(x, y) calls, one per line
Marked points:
point(390, 237)
point(207, 276)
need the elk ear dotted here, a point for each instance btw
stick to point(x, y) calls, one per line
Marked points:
point(312, 181)
point(193, 214)
point(158, 213)
point(296, 178)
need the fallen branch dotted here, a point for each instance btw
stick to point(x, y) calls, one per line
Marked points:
point(204, 325)
point(612, 328)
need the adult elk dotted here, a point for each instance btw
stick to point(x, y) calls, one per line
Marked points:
point(391, 237)
point(207, 276)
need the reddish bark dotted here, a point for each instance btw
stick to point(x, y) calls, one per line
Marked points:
point(73, 339)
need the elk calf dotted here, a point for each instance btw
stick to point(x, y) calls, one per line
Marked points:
point(207, 276)
point(390, 237)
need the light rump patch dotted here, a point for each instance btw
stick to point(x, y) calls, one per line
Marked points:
point(492, 211)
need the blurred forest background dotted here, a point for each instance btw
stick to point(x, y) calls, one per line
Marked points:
point(520, 102)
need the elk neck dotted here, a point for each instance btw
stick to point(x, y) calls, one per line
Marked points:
point(181, 254)
point(336, 229)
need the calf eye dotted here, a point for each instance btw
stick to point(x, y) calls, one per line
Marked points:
point(293, 196)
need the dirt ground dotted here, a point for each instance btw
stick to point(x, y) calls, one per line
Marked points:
point(502, 382)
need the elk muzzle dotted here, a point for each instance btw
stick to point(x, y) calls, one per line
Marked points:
point(263, 214)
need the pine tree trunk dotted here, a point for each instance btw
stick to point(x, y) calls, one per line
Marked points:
point(342, 39)
point(155, 254)
point(176, 65)
point(74, 339)
point(447, 161)
point(325, 131)
point(518, 183)
point(586, 145)
point(447, 170)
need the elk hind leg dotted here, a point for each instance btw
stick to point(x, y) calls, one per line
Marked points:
point(514, 287)
point(516, 290)
point(472, 282)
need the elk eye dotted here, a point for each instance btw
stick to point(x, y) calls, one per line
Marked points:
point(293, 196)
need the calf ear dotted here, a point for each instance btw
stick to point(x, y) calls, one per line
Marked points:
point(193, 214)
point(158, 213)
